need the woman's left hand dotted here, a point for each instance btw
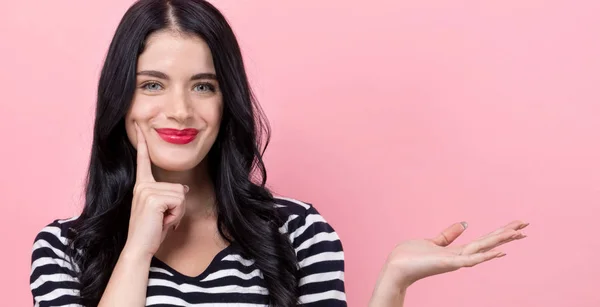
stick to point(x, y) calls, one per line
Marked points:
point(417, 259)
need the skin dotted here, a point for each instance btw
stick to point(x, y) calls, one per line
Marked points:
point(172, 216)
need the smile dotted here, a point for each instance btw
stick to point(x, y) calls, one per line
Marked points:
point(176, 136)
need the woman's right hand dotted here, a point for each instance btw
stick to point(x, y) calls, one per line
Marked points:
point(157, 207)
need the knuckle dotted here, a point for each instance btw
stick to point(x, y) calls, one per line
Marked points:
point(152, 199)
point(139, 188)
point(508, 235)
point(144, 194)
point(472, 248)
point(444, 239)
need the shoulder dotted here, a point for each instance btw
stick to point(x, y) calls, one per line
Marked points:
point(305, 225)
point(50, 255)
point(56, 230)
point(319, 253)
point(297, 213)
point(52, 239)
point(53, 276)
point(289, 207)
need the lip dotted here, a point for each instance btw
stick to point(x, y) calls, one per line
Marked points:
point(177, 136)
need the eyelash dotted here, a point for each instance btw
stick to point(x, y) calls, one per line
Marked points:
point(209, 86)
point(145, 86)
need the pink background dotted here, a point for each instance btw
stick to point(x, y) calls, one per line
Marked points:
point(395, 118)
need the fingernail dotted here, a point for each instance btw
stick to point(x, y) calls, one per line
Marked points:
point(464, 225)
point(501, 255)
point(186, 188)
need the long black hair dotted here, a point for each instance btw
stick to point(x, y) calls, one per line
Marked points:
point(245, 207)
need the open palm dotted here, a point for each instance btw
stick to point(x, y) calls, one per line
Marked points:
point(416, 259)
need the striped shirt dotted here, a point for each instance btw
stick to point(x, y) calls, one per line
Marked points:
point(230, 279)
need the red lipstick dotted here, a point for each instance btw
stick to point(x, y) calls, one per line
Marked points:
point(176, 136)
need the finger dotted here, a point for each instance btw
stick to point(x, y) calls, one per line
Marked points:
point(151, 193)
point(174, 215)
point(490, 242)
point(159, 187)
point(513, 238)
point(475, 259)
point(144, 166)
point(514, 225)
point(450, 234)
point(170, 207)
point(146, 190)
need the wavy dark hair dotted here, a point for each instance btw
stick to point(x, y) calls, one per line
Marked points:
point(245, 207)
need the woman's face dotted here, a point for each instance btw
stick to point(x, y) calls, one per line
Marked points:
point(177, 102)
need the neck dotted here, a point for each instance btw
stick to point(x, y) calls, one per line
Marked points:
point(200, 200)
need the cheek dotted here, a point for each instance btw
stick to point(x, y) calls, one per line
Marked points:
point(211, 114)
point(141, 113)
point(143, 108)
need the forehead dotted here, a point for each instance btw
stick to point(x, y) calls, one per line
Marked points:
point(175, 51)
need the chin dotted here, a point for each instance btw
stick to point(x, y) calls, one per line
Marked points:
point(176, 166)
point(176, 162)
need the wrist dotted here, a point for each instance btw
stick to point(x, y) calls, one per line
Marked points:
point(391, 285)
point(133, 255)
point(393, 275)
point(387, 295)
point(390, 289)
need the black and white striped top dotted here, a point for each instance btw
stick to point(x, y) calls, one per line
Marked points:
point(230, 280)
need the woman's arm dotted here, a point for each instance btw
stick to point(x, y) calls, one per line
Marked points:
point(388, 292)
point(392, 299)
point(128, 282)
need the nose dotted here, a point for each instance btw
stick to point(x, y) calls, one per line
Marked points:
point(178, 107)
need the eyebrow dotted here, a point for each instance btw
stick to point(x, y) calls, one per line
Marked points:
point(162, 75)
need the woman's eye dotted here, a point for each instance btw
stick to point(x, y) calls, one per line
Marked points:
point(152, 86)
point(204, 87)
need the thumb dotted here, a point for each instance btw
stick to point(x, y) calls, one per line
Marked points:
point(450, 234)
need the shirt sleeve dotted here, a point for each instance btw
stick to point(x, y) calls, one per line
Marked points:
point(320, 258)
point(53, 280)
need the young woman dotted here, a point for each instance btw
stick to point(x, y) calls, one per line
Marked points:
point(176, 210)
